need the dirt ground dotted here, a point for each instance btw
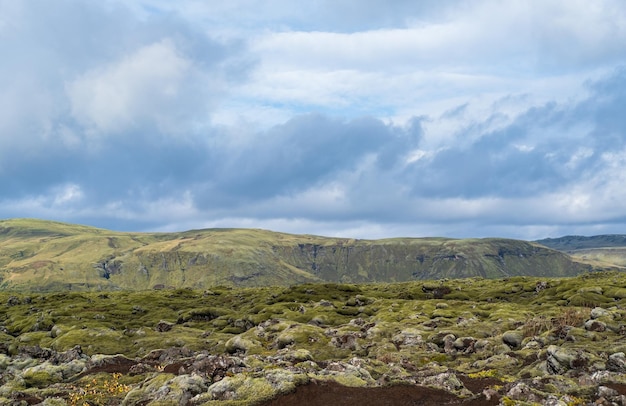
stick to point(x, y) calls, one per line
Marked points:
point(329, 393)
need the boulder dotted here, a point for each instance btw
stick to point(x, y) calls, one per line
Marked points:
point(609, 396)
point(74, 353)
point(13, 301)
point(513, 338)
point(408, 338)
point(346, 341)
point(606, 392)
point(448, 344)
point(42, 376)
point(595, 325)
point(598, 312)
point(447, 381)
point(300, 355)
point(110, 363)
point(240, 344)
point(617, 362)
point(560, 359)
point(164, 326)
point(55, 331)
point(165, 389)
point(465, 344)
point(522, 392)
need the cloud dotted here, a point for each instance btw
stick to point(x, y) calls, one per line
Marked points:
point(310, 150)
point(323, 15)
point(143, 89)
point(552, 164)
point(148, 84)
point(444, 118)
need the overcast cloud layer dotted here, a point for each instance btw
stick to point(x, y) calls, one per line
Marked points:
point(355, 118)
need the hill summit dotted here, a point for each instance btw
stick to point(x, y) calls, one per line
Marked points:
point(40, 255)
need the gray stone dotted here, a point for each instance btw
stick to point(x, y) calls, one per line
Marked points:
point(239, 344)
point(465, 344)
point(595, 325)
point(447, 381)
point(55, 331)
point(533, 345)
point(598, 312)
point(513, 338)
point(561, 359)
point(553, 401)
point(163, 326)
point(408, 338)
point(448, 343)
point(13, 301)
point(325, 303)
point(482, 344)
point(606, 392)
point(346, 341)
point(521, 391)
point(617, 362)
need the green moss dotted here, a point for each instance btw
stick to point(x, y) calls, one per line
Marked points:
point(44, 256)
point(142, 393)
point(615, 292)
point(40, 378)
point(345, 380)
point(588, 299)
point(93, 340)
point(306, 333)
point(203, 314)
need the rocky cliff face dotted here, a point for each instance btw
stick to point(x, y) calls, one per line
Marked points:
point(404, 260)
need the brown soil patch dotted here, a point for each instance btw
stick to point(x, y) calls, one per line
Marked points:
point(329, 393)
point(620, 387)
point(116, 364)
point(20, 397)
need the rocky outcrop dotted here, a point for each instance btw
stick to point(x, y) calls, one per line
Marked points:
point(508, 343)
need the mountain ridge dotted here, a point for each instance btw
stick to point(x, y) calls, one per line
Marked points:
point(606, 250)
point(43, 255)
point(577, 242)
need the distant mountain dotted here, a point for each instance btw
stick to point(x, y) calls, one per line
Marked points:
point(606, 251)
point(39, 255)
point(576, 242)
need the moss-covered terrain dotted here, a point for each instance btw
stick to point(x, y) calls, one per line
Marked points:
point(42, 256)
point(517, 340)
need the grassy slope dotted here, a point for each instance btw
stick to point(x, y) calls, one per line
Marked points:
point(43, 255)
point(601, 250)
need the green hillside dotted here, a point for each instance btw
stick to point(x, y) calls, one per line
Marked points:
point(42, 256)
point(604, 251)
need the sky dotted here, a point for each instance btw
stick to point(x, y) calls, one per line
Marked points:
point(348, 118)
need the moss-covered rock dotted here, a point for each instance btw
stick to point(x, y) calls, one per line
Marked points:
point(241, 344)
point(269, 340)
point(513, 338)
point(41, 376)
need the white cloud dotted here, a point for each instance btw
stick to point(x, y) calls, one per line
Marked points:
point(430, 118)
point(144, 88)
point(576, 32)
point(67, 194)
